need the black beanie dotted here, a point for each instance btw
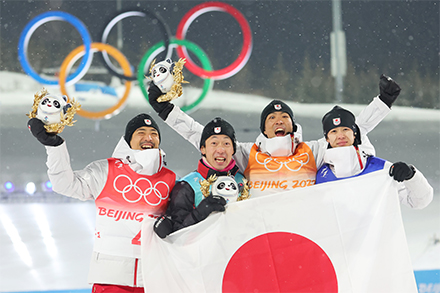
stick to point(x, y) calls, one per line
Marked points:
point(340, 117)
point(218, 126)
point(275, 106)
point(139, 121)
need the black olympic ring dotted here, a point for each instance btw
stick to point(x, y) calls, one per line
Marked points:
point(129, 13)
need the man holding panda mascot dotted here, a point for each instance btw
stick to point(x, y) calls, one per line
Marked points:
point(188, 205)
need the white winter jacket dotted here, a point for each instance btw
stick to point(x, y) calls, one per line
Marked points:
point(344, 162)
point(191, 130)
point(87, 184)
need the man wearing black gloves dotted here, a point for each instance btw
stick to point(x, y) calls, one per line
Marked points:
point(129, 189)
point(188, 205)
point(389, 90)
point(279, 160)
point(345, 158)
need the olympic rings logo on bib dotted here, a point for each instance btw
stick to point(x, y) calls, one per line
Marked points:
point(153, 195)
point(273, 164)
point(164, 48)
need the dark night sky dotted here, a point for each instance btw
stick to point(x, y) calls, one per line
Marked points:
point(390, 36)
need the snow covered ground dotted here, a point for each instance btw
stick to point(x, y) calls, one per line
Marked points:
point(46, 244)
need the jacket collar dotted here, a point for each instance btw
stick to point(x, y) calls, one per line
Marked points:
point(283, 146)
point(206, 171)
point(146, 162)
point(345, 161)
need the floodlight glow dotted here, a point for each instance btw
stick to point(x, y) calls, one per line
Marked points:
point(30, 188)
point(9, 186)
point(47, 186)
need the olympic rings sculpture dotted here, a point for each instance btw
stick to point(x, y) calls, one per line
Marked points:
point(75, 55)
point(87, 50)
point(37, 22)
point(163, 27)
point(244, 55)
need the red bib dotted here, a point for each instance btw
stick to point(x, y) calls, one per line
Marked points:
point(127, 200)
point(130, 191)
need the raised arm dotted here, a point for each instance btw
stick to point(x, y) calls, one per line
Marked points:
point(367, 120)
point(84, 184)
point(379, 108)
point(188, 128)
point(178, 120)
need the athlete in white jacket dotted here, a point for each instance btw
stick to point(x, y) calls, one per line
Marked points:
point(278, 160)
point(129, 188)
point(345, 158)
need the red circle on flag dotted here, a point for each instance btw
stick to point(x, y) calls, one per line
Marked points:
point(280, 262)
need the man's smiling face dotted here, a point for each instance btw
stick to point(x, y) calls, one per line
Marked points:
point(145, 138)
point(340, 137)
point(218, 151)
point(278, 124)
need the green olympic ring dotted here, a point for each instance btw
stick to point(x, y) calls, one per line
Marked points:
point(193, 48)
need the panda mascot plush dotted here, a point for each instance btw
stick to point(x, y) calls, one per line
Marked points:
point(168, 77)
point(162, 75)
point(227, 187)
point(54, 111)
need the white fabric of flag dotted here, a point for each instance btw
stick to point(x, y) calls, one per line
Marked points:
point(342, 236)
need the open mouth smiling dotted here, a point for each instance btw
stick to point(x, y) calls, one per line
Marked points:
point(279, 131)
point(146, 146)
point(220, 160)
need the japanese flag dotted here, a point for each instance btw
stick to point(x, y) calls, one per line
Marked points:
point(343, 236)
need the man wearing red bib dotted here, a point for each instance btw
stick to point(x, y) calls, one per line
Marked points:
point(129, 189)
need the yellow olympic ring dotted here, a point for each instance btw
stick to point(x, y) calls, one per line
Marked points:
point(120, 58)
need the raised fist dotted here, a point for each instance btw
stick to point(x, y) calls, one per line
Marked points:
point(389, 90)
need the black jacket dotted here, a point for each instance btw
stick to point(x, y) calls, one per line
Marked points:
point(182, 197)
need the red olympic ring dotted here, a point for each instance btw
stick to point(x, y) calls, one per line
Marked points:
point(182, 52)
point(242, 58)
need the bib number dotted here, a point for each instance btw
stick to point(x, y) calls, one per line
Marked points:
point(137, 239)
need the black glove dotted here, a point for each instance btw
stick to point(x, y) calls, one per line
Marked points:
point(164, 108)
point(389, 90)
point(401, 171)
point(208, 205)
point(36, 127)
point(163, 226)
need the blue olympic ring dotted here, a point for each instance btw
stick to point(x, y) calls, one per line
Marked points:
point(38, 21)
point(205, 73)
